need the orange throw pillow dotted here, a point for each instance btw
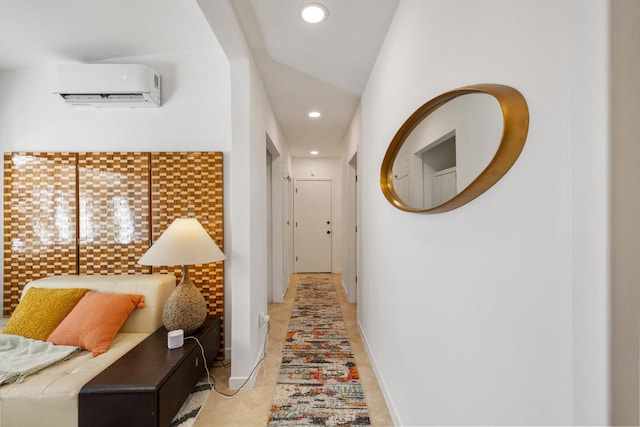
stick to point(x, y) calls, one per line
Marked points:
point(95, 321)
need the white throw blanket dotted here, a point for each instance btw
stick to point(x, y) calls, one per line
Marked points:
point(20, 356)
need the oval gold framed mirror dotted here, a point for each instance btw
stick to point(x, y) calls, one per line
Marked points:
point(454, 148)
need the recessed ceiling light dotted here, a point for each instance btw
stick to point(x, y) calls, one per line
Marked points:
point(314, 13)
point(313, 153)
point(314, 114)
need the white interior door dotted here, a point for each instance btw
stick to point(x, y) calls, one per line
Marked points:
point(313, 222)
point(443, 186)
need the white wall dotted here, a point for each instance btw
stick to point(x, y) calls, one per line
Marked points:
point(591, 215)
point(32, 118)
point(252, 119)
point(259, 122)
point(468, 315)
point(326, 168)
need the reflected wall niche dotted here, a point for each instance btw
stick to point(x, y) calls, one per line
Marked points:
point(454, 147)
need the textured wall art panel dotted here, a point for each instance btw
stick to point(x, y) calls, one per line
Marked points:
point(113, 207)
point(191, 185)
point(97, 213)
point(39, 220)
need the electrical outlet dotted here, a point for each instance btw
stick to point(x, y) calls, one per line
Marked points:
point(264, 319)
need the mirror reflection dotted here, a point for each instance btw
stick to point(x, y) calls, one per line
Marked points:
point(454, 148)
point(447, 150)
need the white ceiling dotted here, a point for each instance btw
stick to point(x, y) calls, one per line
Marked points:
point(304, 67)
point(37, 32)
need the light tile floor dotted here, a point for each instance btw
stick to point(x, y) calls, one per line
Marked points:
point(251, 407)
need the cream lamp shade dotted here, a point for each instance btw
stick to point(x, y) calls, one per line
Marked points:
point(184, 243)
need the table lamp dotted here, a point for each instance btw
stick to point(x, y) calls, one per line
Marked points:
point(184, 243)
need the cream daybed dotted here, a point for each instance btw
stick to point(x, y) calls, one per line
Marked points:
point(50, 397)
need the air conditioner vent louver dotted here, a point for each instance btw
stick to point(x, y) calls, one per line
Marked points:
point(103, 97)
point(109, 85)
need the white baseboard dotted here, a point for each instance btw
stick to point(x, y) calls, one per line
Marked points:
point(237, 382)
point(385, 392)
point(351, 299)
point(247, 382)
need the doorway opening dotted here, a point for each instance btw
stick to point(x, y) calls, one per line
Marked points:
point(277, 263)
point(351, 268)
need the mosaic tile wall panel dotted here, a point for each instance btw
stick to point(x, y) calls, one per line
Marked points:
point(113, 208)
point(47, 224)
point(39, 220)
point(191, 184)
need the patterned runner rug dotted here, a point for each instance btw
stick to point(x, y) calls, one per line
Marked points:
point(318, 383)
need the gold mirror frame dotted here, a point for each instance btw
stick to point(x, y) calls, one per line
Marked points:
point(515, 115)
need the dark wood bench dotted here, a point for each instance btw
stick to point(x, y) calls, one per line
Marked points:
point(148, 385)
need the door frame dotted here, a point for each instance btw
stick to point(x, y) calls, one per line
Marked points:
point(275, 244)
point(351, 267)
point(287, 229)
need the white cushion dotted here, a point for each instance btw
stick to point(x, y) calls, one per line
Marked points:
point(50, 397)
point(155, 288)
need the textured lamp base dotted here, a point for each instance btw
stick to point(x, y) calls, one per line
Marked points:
point(185, 309)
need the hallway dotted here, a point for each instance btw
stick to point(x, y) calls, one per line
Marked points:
point(251, 408)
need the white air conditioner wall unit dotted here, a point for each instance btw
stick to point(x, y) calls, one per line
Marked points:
point(109, 85)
